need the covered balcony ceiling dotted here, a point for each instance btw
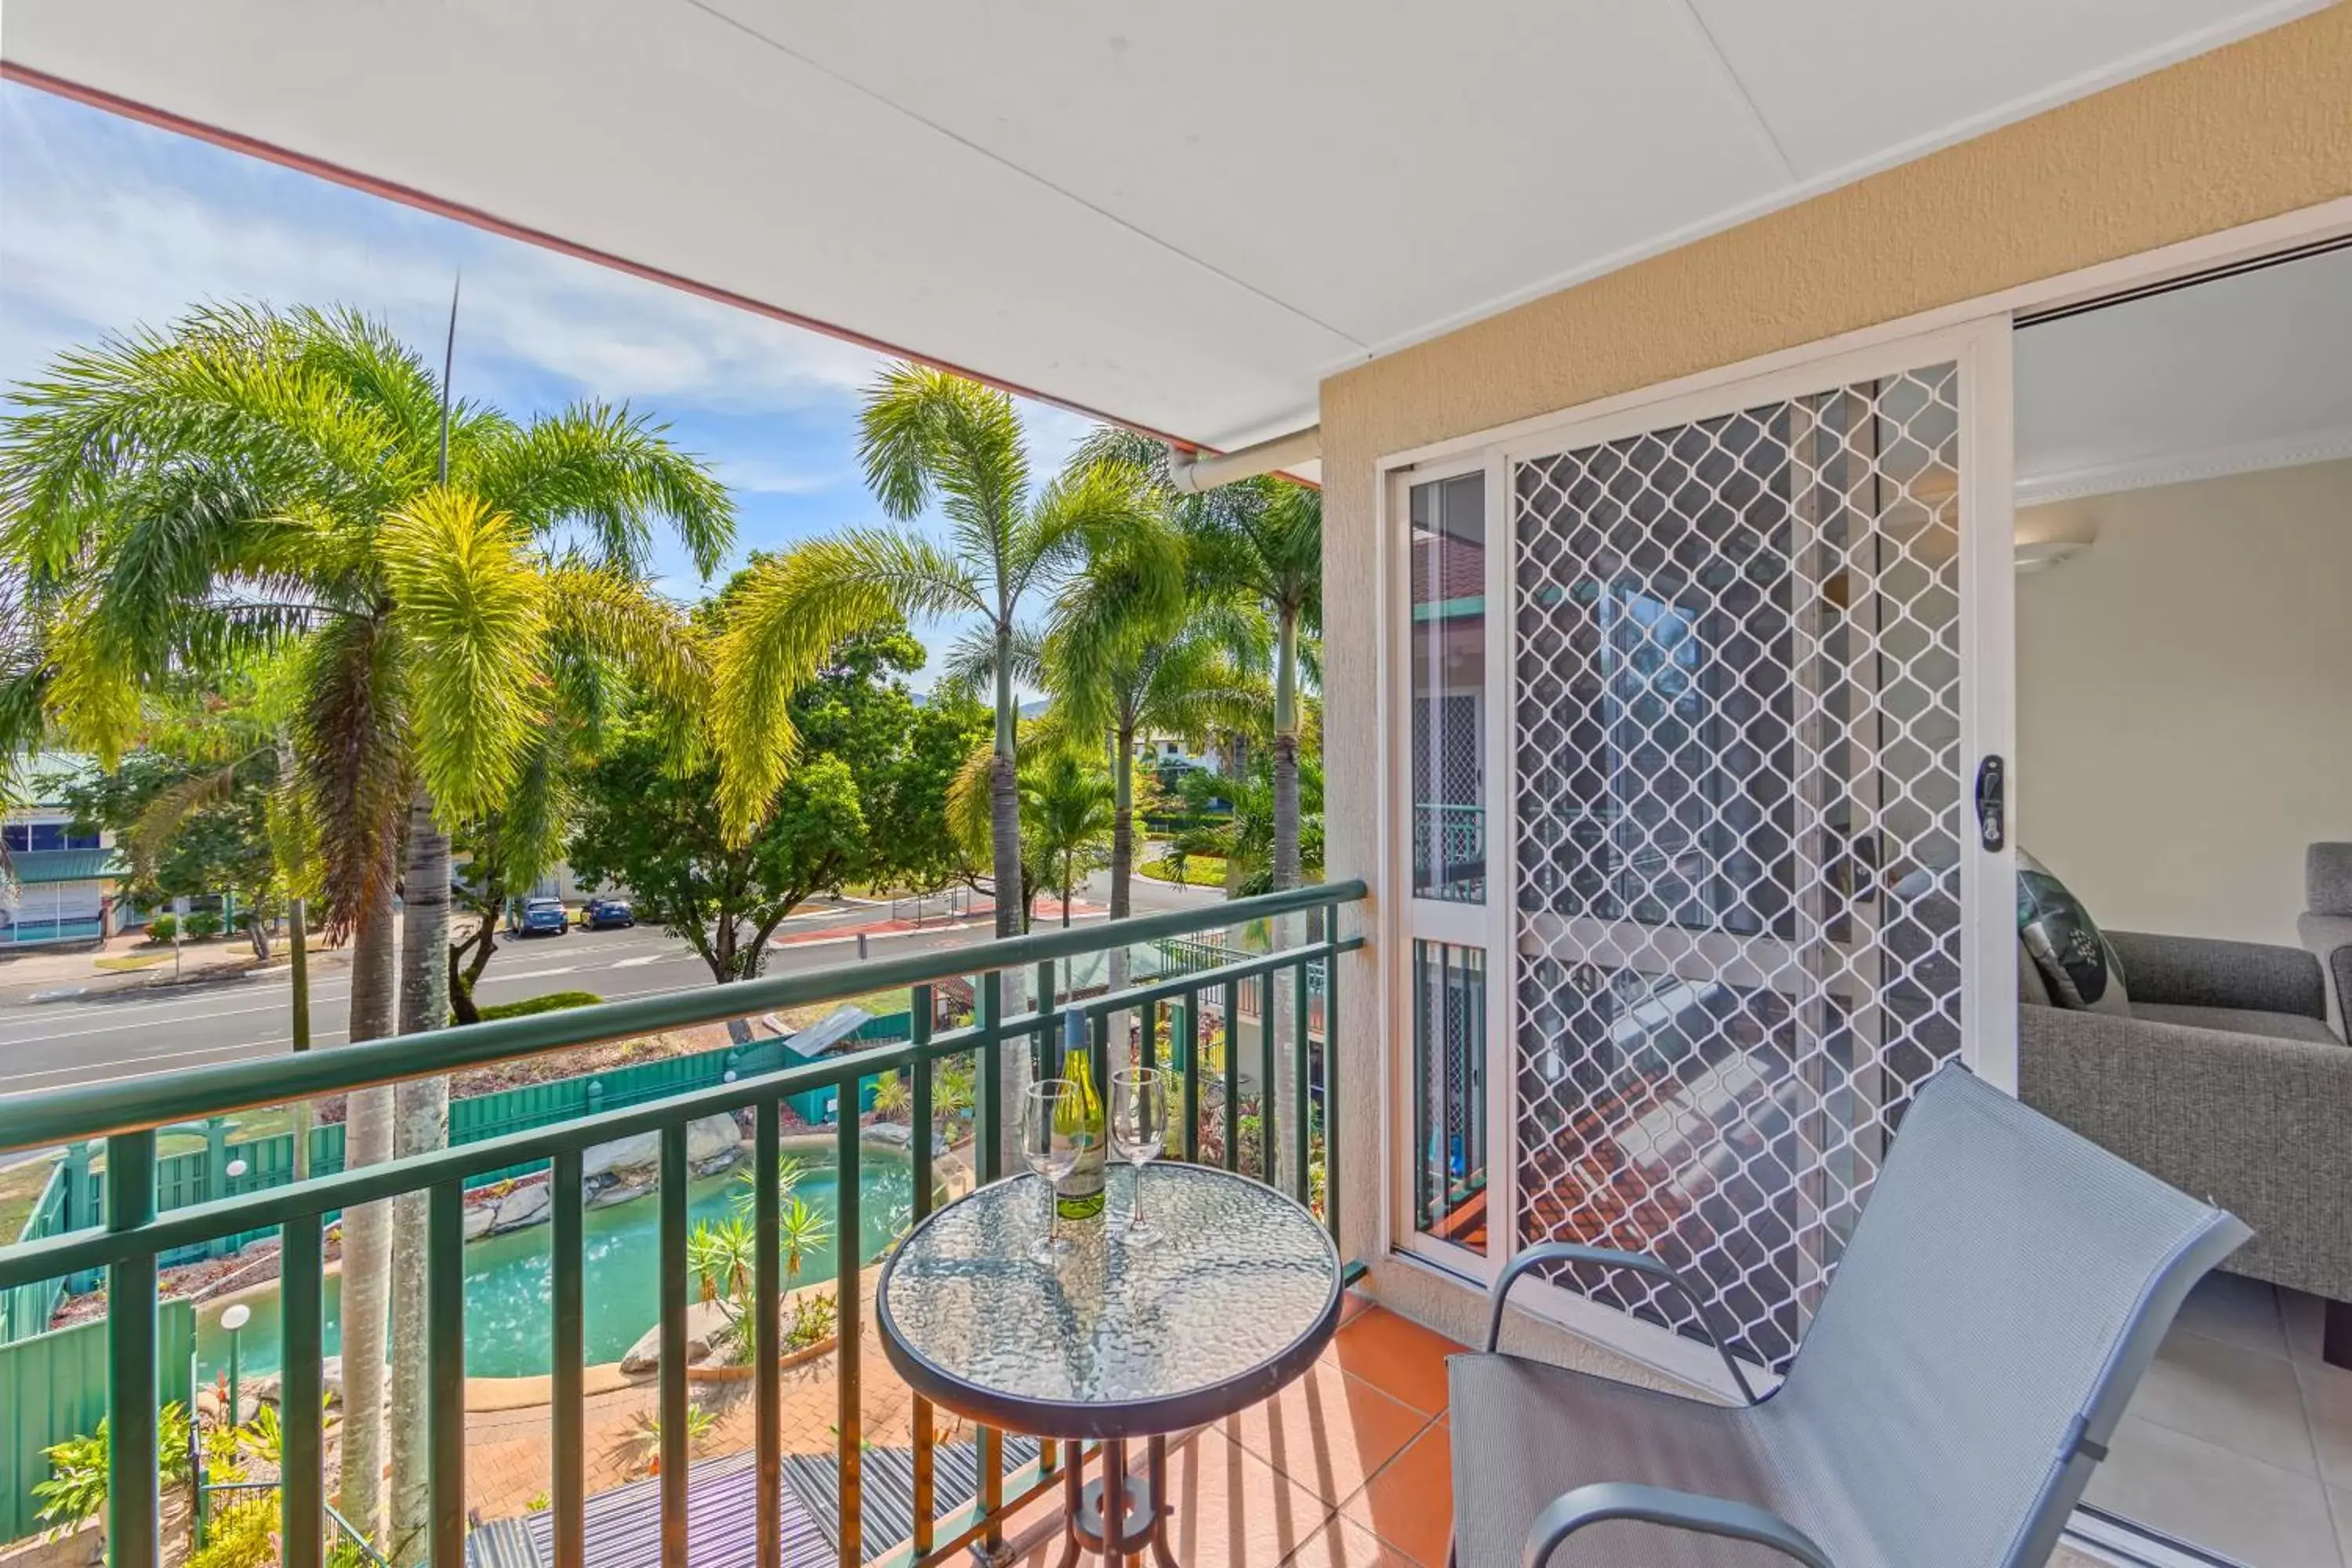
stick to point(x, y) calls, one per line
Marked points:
point(1182, 216)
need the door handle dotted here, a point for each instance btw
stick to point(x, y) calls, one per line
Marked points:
point(1992, 803)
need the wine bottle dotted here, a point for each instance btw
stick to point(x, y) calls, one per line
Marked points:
point(1079, 1195)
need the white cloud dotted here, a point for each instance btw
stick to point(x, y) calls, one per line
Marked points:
point(773, 477)
point(102, 243)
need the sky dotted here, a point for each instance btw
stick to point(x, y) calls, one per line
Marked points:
point(107, 225)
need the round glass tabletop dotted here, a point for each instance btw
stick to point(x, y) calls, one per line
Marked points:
point(1235, 1295)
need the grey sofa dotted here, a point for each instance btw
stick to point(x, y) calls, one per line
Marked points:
point(2230, 1078)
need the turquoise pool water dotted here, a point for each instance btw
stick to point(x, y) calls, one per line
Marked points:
point(507, 1330)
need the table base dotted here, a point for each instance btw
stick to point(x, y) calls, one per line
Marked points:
point(1142, 1510)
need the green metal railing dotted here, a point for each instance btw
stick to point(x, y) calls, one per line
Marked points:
point(126, 1113)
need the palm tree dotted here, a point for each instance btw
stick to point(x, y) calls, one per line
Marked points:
point(179, 502)
point(799, 1230)
point(1068, 810)
point(926, 435)
point(1118, 663)
point(1261, 538)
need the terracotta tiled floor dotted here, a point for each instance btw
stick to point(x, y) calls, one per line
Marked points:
point(1347, 1467)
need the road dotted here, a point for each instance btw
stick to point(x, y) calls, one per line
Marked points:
point(144, 1028)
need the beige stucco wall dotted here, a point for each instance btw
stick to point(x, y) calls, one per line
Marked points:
point(2259, 128)
point(2184, 698)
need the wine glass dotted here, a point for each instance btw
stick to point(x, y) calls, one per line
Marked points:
point(1050, 1141)
point(1139, 1131)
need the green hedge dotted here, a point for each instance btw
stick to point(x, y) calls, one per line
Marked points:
point(553, 1002)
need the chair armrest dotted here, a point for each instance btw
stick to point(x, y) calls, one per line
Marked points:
point(2207, 972)
point(1605, 1500)
point(1552, 1252)
point(2260, 1127)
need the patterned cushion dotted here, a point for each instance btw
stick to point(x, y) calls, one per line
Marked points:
point(2075, 963)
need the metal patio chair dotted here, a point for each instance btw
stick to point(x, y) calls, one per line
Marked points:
point(2006, 1288)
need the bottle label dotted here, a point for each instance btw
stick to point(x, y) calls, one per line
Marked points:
point(1079, 1195)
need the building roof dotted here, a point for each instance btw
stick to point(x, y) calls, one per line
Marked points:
point(41, 774)
point(1179, 216)
point(34, 866)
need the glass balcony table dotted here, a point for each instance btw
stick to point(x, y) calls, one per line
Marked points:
point(1234, 1296)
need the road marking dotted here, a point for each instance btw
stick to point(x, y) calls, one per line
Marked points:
point(655, 958)
point(531, 974)
point(137, 1065)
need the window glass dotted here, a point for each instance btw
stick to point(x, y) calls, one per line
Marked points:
point(48, 836)
point(1449, 1096)
point(1448, 654)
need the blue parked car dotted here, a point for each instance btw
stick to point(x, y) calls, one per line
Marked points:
point(539, 917)
point(603, 913)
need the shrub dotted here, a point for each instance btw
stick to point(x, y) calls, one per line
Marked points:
point(163, 928)
point(242, 1535)
point(553, 1002)
point(203, 923)
point(76, 1489)
point(814, 1317)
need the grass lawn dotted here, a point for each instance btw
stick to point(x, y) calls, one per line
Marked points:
point(133, 960)
point(1200, 871)
point(881, 1003)
point(20, 1185)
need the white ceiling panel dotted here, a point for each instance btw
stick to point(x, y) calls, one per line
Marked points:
point(1182, 216)
point(1843, 84)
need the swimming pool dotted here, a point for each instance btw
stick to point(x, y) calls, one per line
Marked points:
point(507, 1331)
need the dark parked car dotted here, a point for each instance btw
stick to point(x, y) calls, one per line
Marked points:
point(539, 917)
point(603, 913)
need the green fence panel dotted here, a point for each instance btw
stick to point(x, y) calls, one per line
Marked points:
point(25, 1309)
point(52, 1387)
point(189, 1178)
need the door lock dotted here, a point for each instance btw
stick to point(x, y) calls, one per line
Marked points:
point(1992, 803)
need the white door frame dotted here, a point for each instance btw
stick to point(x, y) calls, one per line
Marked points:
point(1988, 649)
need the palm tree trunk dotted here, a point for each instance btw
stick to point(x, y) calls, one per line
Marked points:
point(1005, 796)
point(1069, 875)
point(1285, 749)
point(367, 1231)
point(1122, 824)
point(1122, 845)
point(421, 1119)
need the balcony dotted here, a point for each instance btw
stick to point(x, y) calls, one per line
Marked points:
point(581, 1456)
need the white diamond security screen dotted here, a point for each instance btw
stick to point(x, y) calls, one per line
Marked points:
point(1738, 789)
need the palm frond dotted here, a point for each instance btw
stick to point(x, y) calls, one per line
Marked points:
point(784, 617)
point(610, 619)
point(350, 745)
point(470, 608)
point(610, 472)
point(1107, 511)
point(927, 433)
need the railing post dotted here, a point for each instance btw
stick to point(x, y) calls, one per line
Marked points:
point(1302, 1116)
point(1269, 1072)
point(988, 1136)
point(1191, 1046)
point(132, 1536)
point(767, 1333)
point(1331, 1129)
point(568, 1386)
point(444, 1315)
point(849, 1247)
point(672, 1401)
point(919, 1140)
point(302, 1347)
point(1232, 1075)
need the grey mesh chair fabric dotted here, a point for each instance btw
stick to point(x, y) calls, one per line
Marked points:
point(2006, 1286)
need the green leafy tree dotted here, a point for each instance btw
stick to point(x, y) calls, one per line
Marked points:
point(655, 829)
point(190, 828)
point(250, 483)
point(927, 436)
